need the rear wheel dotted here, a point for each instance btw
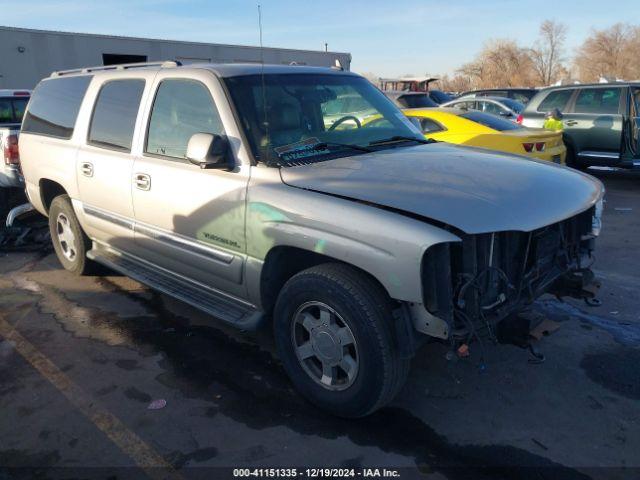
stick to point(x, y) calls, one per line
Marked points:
point(333, 332)
point(69, 241)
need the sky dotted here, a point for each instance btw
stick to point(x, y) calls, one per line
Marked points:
point(391, 37)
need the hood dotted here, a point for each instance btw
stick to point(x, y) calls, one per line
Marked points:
point(470, 189)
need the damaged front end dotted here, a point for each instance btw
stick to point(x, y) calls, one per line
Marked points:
point(474, 284)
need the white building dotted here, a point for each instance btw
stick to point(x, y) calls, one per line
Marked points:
point(28, 55)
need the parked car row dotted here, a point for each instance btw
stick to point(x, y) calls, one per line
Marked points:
point(306, 198)
point(600, 122)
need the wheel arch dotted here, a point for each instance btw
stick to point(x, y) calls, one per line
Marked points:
point(49, 189)
point(284, 261)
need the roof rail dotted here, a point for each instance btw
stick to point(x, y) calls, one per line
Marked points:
point(122, 66)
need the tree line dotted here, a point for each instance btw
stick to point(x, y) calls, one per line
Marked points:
point(612, 52)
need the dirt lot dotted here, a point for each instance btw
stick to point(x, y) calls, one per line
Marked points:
point(88, 355)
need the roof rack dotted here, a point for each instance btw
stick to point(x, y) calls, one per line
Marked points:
point(122, 66)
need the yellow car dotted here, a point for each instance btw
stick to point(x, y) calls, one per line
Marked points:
point(478, 129)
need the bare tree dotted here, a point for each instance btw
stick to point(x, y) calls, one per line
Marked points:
point(457, 83)
point(612, 52)
point(547, 55)
point(501, 63)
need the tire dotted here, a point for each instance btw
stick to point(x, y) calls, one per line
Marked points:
point(69, 240)
point(352, 300)
point(572, 159)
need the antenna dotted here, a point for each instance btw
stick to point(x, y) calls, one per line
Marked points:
point(264, 94)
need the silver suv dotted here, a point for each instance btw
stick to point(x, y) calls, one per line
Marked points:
point(226, 187)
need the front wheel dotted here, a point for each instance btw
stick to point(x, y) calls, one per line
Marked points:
point(333, 332)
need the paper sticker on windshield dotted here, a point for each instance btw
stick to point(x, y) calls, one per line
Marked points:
point(301, 145)
point(408, 123)
point(302, 149)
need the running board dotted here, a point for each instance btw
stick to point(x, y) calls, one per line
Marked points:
point(236, 313)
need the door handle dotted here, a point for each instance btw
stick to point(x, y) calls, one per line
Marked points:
point(87, 169)
point(142, 181)
point(571, 123)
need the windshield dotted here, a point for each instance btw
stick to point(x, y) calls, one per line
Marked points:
point(491, 121)
point(315, 116)
point(440, 97)
point(12, 109)
point(417, 101)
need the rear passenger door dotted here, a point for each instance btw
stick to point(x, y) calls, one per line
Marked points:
point(594, 122)
point(104, 162)
point(189, 220)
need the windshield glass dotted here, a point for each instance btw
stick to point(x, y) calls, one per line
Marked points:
point(315, 116)
point(491, 121)
point(417, 101)
point(439, 96)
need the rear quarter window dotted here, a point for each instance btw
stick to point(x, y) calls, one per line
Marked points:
point(555, 99)
point(430, 126)
point(54, 106)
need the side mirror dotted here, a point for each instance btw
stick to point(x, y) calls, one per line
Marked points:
point(208, 150)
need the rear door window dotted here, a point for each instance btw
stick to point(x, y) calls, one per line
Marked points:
point(597, 100)
point(181, 109)
point(555, 99)
point(54, 106)
point(489, 107)
point(115, 113)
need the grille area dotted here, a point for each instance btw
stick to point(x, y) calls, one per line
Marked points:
point(475, 283)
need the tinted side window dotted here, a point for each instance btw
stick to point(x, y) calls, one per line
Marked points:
point(489, 107)
point(54, 106)
point(181, 109)
point(597, 100)
point(469, 105)
point(556, 99)
point(115, 113)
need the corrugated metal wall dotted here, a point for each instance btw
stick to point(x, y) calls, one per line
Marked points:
point(26, 55)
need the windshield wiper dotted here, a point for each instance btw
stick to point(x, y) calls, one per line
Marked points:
point(401, 138)
point(346, 145)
